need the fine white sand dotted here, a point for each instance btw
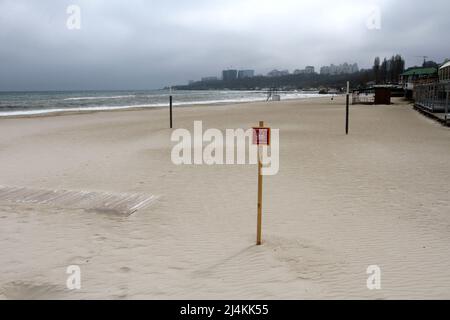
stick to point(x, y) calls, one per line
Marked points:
point(379, 196)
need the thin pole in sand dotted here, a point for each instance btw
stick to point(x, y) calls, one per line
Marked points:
point(347, 108)
point(446, 105)
point(170, 103)
point(260, 194)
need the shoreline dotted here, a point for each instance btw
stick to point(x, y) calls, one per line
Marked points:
point(50, 113)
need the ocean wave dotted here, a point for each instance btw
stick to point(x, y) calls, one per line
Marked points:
point(261, 98)
point(99, 98)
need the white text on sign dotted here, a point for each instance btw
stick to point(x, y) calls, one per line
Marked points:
point(261, 136)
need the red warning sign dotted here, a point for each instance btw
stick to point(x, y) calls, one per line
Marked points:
point(261, 136)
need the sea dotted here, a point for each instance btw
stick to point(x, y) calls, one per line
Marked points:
point(14, 104)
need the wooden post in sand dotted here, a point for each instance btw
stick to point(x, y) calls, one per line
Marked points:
point(171, 121)
point(260, 193)
point(347, 115)
point(261, 136)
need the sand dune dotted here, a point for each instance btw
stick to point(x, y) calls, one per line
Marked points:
point(338, 205)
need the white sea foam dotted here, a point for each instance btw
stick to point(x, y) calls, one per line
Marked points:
point(289, 96)
point(98, 98)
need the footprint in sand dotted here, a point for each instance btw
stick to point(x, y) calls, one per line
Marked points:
point(125, 269)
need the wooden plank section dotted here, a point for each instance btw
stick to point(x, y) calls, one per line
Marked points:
point(120, 203)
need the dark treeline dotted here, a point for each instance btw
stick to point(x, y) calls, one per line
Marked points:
point(388, 71)
point(301, 81)
point(384, 72)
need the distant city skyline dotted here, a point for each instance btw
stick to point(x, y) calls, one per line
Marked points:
point(232, 74)
point(332, 69)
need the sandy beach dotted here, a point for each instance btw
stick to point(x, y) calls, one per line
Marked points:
point(339, 204)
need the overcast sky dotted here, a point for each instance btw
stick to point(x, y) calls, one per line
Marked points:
point(146, 44)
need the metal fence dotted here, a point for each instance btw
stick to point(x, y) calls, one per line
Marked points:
point(433, 98)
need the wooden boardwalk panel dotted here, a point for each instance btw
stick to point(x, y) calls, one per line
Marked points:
point(121, 203)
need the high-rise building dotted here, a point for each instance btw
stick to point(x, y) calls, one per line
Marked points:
point(341, 69)
point(277, 73)
point(246, 74)
point(229, 75)
point(309, 70)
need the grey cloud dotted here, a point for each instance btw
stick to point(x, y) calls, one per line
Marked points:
point(141, 44)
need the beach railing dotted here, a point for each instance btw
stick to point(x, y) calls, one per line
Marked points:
point(447, 104)
point(433, 97)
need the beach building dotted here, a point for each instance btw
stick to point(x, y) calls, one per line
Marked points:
point(374, 95)
point(431, 95)
point(415, 76)
point(444, 72)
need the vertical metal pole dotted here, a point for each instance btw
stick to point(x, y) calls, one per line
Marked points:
point(260, 194)
point(430, 98)
point(171, 119)
point(446, 106)
point(433, 98)
point(347, 108)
